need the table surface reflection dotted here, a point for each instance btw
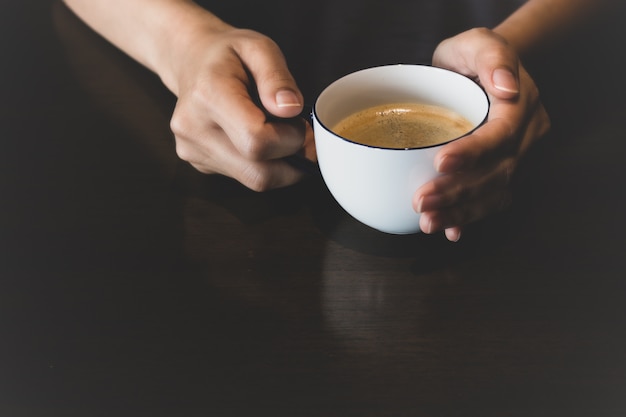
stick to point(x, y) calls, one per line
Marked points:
point(132, 285)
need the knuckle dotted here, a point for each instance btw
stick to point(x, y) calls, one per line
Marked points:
point(254, 142)
point(182, 151)
point(179, 125)
point(189, 154)
point(250, 145)
point(263, 42)
point(480, 31)
point(256, 43)
point(202, 168)
point(256, 178)
point(203, 93)
point(178, 121)
point(181, 129)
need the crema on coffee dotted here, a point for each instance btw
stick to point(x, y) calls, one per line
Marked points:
point(403, 125)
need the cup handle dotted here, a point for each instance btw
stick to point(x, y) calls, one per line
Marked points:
point(298, 160)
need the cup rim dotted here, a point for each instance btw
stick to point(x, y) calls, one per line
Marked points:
point(482, 122)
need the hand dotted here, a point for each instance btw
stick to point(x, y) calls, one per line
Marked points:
point(476, 171)
point(219, 126)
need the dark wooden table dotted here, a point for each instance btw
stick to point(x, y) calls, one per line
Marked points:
point(131, 285)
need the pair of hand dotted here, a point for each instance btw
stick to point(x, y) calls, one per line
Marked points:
point(220, 128)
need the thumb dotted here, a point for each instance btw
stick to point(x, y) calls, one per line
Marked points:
point(498, 72)
point(504, 83)
point(276, 86)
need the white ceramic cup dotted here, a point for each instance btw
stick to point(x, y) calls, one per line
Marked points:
point(376, 185)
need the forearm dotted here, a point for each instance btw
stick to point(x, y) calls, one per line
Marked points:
point(540, 23)
point(150, 31)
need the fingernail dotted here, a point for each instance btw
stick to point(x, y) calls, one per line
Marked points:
point(287, 98)
point(428, 226)
point(453, 234)
point(504, 80)
point(420, 203)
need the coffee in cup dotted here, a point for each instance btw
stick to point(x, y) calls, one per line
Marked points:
point(403, 125)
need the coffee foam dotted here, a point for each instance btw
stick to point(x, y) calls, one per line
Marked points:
point(403, 125)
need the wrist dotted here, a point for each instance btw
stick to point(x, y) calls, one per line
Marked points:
point(178, 38)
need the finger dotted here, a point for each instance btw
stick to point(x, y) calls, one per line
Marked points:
point(267, 175)
point(276, 86)
point(471, 211)
point(456, 189)
point(495, 65)
point(256, 175)
point(511, 127)
point(453, 234)
point(491, 142)
point(212, 152)
point(255, 136)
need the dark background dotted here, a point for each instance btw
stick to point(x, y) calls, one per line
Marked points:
point(131, 285)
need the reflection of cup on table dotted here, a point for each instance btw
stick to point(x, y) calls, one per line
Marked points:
point(377, 132)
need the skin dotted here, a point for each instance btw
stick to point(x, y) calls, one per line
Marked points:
point(477, 170)
point(219, 128)
point(210, 66)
